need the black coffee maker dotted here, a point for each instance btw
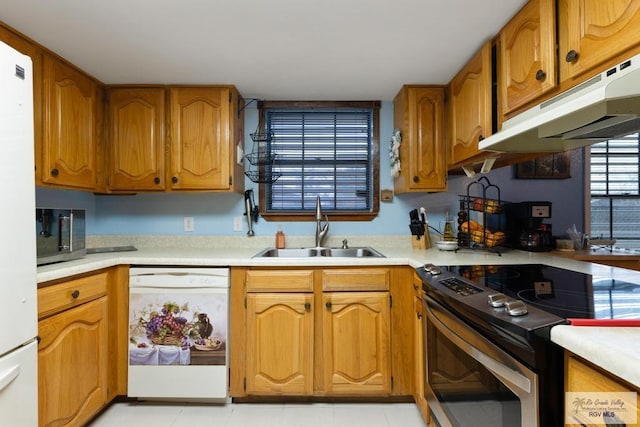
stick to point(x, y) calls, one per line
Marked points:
point(525, 227)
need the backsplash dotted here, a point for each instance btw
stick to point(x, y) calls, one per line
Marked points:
point(258, 242)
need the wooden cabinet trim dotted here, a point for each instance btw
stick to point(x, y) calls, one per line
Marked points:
point(359, 279)
point(279, 280)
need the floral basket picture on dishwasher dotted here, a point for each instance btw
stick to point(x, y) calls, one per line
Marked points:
point(168, 332)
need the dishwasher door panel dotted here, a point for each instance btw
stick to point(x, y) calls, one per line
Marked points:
point(178, 342)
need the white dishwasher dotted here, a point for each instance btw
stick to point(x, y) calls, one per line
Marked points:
point(178, 333)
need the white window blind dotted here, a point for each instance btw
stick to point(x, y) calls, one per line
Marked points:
point(320, 152)
point(615, 190)
point(615, 167)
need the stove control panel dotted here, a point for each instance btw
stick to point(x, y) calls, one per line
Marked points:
point(460, 287)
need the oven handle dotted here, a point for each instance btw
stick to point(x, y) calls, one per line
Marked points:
point(478, 347)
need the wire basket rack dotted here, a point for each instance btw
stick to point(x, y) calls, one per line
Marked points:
point(481, 223)
point(261, 162)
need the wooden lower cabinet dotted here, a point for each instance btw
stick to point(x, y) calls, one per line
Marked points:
point(582, 377)
point(280, 336)
point(72, 364)
point(322, 332)
point(356, 343)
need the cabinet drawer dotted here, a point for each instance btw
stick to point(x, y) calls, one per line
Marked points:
point(279, 280)
point(56, 298)
point(361, 279)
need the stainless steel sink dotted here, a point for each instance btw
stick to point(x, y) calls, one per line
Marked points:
point(354, 252)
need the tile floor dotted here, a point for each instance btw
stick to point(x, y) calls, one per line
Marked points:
point(123, 414)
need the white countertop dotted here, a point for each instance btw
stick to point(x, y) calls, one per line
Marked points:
point(616, 350)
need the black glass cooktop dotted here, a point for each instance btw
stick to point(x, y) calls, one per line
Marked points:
point(605, 294)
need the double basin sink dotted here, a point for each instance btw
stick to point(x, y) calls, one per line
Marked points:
point(353, 252)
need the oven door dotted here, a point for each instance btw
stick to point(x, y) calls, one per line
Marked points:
point(472, 382)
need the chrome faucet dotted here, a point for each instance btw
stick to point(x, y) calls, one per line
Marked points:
point(321, 230)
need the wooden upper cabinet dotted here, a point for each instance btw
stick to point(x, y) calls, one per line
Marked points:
point(201, 135)
point(136, 139)
point(71, 114)
point(594, 31)
point(470, 107)
point(418, 111)
point(527, 64)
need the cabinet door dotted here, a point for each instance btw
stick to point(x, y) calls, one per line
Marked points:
point(136, 139)
point(419, 114)
point(587, 381)
point(356, 343)
point(471, 107)
point(70, 130)
point(199, 138)
point(592, 31)
point(527, 55)
point(72, 364)
point(279, 352)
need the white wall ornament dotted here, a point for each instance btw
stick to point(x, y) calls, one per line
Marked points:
point(394, 153)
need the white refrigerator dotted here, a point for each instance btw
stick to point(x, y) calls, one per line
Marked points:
point(18, 304)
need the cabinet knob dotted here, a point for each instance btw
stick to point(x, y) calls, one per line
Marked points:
point(156, 180)
point(540, 75)
point(480, 138)
point(415, 287)
point(419, 315)
point(174, 179)
point(328, 305)
point(54, 172)
point(415, 178)
point(572, 55)
point(307, 306)
point(75, 294)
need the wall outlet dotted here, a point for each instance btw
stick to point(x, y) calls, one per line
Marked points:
point(237, 223)
point(189, 224)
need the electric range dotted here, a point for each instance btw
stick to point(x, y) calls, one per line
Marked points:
point(517, 305)
point(488, 327)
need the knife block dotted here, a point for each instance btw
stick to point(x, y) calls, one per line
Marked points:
point(423, 243)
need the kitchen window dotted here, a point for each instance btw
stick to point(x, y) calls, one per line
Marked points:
point(615, 190)
point(326, 149)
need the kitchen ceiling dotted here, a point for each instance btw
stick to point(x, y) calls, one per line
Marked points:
point(277, 49)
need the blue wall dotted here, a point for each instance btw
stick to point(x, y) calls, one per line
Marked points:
point(213, 213)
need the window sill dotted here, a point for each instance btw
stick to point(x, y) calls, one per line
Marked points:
point(310, 217)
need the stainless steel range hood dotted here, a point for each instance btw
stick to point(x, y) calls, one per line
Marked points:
point(604, 107)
